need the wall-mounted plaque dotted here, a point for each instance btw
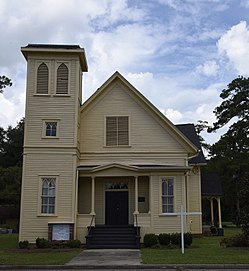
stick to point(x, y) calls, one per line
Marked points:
point(141, 199)
point(61, 232)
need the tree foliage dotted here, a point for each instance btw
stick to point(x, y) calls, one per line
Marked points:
point(231, 152)
point(11, 145)
point(4, 82)
point(11, 149)
point(200, 127)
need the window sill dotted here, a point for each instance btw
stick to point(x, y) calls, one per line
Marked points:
point(46, 215)
point(168, 214)
point(118, 146)
point(50, 137)
point(42, 95)
point(62, 95)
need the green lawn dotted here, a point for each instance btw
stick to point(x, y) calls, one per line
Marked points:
point(205, 250)
point(10, 254)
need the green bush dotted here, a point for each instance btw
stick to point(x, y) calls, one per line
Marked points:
point(150, 240)
point(24, 244)
point(239, 240)
point(175, 239)
point(188, 239)
point(42, 243)
point(164, 239)
point(74, 243)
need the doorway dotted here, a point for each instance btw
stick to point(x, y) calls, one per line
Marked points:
point(116, 207)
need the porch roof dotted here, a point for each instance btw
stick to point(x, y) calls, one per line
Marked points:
point(135, 168)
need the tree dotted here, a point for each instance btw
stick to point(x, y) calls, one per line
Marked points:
point(200, 127)
point(11, 149)
point(11, 145)
point(232, 150)
point(4, 82)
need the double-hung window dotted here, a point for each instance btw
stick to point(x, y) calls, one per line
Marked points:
point(167, 195)
point(117, 131)
point(48, 195)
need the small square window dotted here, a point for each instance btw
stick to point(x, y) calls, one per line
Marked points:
point(51, 129)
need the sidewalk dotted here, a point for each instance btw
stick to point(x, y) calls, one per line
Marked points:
point(107, 257)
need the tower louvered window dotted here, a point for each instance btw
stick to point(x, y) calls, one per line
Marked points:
point(62, 79)
point(42, 79)
point(117, 131)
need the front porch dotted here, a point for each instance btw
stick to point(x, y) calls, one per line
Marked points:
point(112, 201)
point(120, 195)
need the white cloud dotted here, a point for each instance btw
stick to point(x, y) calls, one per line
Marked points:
point(173, 115)
point(234, 44)
point(245, 3)
point(209, 68)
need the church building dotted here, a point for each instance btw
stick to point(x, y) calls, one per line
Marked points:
point(109, 165)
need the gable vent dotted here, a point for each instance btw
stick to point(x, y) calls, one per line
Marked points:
point(42, 79)
point(117, 133)
point(62, 79)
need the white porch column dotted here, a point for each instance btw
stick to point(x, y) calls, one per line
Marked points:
point(93, 197)
point(212, 211)
point(219, 212)
point(136, 196)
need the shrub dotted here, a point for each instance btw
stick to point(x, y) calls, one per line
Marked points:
point(150, 240)
point(164, 239)
point(188, 239)
point(175, 239)
point(74, 243)
point(213, 230)
point(42, 243)
point(239, 240)
point(24, 244)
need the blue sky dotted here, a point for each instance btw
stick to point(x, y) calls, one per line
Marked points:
point(179, 54)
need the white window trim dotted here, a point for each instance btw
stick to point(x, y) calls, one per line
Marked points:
point(37, 64)
point(44, 121)
point(129, 132)
point(39, 212)
point(160, 196)
point(57, 64)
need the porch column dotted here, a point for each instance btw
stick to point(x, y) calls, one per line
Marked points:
point(136, 196)
point(219, 212)
point(93, 197)
point(212, 211)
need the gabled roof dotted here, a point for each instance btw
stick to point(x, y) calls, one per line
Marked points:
point(189, 131)
point(117, 77)
point(210, 184)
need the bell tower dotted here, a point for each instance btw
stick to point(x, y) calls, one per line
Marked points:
point(53, 100)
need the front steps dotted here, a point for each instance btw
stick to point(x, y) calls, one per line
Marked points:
point(103, 236)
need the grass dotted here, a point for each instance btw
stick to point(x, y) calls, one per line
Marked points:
point(205, 250)
point(11, 255)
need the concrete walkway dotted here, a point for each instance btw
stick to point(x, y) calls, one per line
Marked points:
point(107, 257)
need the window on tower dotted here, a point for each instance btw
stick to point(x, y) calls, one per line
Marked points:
point(62, 79)
point(42, 79)
point(51, 129)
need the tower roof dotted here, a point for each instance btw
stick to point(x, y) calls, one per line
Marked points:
point(56, 48)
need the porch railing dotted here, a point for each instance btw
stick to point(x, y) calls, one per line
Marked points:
point(90, 227)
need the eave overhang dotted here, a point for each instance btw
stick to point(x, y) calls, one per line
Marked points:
point(54, 48)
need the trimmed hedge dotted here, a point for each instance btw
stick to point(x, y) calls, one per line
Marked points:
point(167, 239)
point(150, 240)
point(24, 244)
point(164, 239)
point(42, 243)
